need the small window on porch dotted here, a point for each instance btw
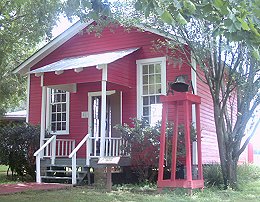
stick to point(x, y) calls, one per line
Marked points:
point(151, 84)
point(58, 111)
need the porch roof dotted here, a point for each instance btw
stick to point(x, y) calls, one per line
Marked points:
point(84, 61)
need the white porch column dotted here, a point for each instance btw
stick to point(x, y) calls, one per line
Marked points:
point(194, 83)
point(103, 108)
point(43, 113)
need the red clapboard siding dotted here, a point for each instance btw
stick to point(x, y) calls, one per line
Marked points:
point(209, 138)
point(35, 97)
point(121, 77)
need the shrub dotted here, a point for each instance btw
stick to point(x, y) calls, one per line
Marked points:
point(213, 175)
point(247, 173)
point(144, 146)
point(18, 142)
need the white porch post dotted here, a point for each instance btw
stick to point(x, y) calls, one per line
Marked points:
point(43, 113)
point(194, 83)
point(103, 108)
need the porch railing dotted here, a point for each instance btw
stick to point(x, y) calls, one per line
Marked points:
point(113, 147)
point(63, 148)
point(52, 148)
point(73, 157)
point(40, 153)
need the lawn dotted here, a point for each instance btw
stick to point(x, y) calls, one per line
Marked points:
point(250, 192)
point(4, 179)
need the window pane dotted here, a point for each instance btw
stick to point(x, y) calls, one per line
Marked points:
point(145, 79)
point(158, 68)
point(158, 78)
point(63, 97)
point(58, 126)
point(146, 111)
point(151, 69)
point(59, 117)
point(53, 127)
point(152, 99)
point(145, 69)
point(158, 88)
point(158, 99)
point(58, 107)
point(63, 107)
point(63, 116)
point(145, 90)
point(63, 125)
point(53, 108)
point(151, 79)
point(145, 100)
point(151, 89)
point(53, 117)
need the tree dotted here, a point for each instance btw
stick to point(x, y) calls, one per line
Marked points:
point(223, 36)
point(18, 142)
point(23, 25)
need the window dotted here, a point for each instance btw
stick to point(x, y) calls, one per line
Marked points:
point(58, 104)
point(151, 79)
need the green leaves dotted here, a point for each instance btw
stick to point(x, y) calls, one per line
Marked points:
point(167, 17)
point(189, 6)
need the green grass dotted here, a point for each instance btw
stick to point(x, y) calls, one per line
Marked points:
point(4, 179)
point(250, 192)
point(3, 168)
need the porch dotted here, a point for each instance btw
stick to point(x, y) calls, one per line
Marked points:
point(56, 160)
point(98, 98)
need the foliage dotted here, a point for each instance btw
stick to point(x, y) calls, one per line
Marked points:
point(212, 175)
point(17, 146)
point(23, 25)
point(223, 36)
point(144, 146)
point(248, 173)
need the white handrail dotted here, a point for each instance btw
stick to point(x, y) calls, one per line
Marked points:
point(38, 156)
point(73, 155)
point(79, 146)
point(44, 146)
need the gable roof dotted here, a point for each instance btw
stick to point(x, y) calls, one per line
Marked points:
point(25, 66)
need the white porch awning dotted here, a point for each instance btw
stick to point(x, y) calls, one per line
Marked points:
point(84, 61)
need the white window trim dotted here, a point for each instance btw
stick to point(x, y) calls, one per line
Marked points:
point(139, 80)
point(48, 114)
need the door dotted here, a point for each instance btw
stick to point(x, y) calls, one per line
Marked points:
point(113, 114)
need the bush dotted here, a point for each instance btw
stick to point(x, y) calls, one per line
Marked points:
point(213, 175)
point(18, 142)
point(247, 173)
point(144, 146)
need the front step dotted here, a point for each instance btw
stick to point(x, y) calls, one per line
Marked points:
point(63, 174)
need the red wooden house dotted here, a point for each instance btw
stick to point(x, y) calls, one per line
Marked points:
point(81, 85)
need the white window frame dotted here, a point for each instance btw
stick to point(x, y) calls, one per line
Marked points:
point(48, 114)
point(139, 79)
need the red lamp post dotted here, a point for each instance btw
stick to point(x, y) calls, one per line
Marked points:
point(182, 102)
